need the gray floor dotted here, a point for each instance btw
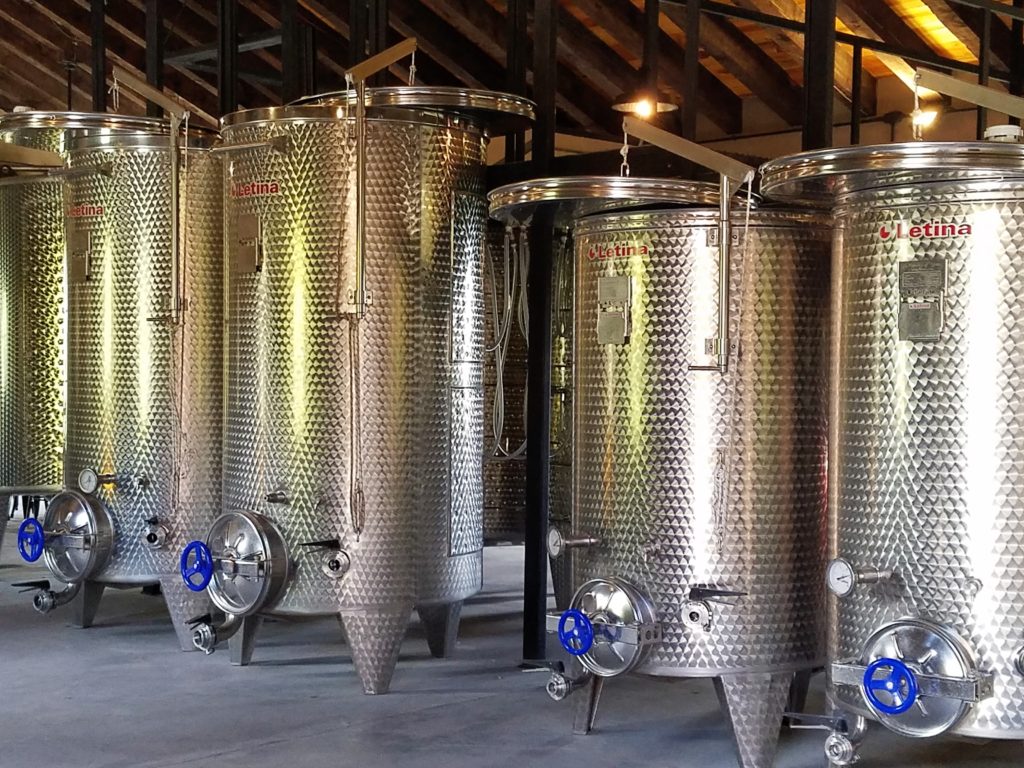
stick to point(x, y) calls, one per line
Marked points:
point(121, 694)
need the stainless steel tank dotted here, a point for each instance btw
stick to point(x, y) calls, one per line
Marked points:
point(355, 332)
point(32, 311)
point(926, 620)
point(505, 387)
point(142, 460)
point(698, 521)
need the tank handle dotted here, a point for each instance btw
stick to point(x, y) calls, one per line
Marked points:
point(731, 175)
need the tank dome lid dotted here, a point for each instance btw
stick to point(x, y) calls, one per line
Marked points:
point(83, 120)
point(575, 196)
point(824, 174)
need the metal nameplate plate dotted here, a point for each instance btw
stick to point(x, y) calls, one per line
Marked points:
point(922, 284)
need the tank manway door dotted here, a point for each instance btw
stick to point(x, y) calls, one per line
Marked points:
point(922, 294)
point(74, 539)
point(610, 627)
point(918, 678)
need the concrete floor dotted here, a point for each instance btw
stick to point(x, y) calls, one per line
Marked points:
point(121, 694)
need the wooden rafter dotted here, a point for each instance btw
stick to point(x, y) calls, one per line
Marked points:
point(965, 22)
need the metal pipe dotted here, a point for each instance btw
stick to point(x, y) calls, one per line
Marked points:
point(175, 160)
point(46, 600)
point(208, 635)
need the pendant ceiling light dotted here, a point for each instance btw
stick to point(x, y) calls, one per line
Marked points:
point(646, 100)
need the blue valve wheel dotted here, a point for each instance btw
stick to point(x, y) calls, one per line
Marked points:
point(890, 686)
point(31, 540)
point(575, 632)
point(196, 566)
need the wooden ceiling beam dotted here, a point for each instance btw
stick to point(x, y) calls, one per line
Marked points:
point(877, 19)
point(34, 93)
point(620, 19)
point(965, 22)
point(748, 63)
point(793, 44)
point(411, 18)
point(41, 71)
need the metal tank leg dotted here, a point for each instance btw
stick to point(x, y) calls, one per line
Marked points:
point(183, 605)
point(754, 705)
point(374, 640)
point(242, 644)
point(441, 623)
point(86, 603)
point(586, 706)
point(798, 692)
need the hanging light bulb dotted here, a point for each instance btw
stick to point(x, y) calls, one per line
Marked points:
point(647, 101)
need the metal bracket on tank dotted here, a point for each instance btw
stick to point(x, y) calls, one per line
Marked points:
point(731, 174)
point(970, 689)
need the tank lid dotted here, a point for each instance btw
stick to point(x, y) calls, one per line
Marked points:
point(823, 174)
point(575, 196)
point(88, 120)
point(495, 110)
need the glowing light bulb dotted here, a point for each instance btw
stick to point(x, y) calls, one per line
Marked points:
point(644, 108)
point(924, 118)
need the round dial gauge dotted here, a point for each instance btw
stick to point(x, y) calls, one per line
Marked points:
point(556, 544)
point(88, 480)
point(841, 577)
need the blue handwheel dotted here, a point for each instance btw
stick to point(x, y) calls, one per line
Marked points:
point(196, 566)
point(31, 540)
point(894, 691)
point(576, 637)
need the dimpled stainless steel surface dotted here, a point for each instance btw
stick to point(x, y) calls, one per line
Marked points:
point(504, 476)
point(144, 393)
point(410, 443)
point(699, 479)
point(926, 453)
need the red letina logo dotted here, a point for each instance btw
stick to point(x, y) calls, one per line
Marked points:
point(616, 251)
point(931, 230)
point(85, 209)
point(254, 188)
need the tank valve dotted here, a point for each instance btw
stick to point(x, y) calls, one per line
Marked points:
point(843, 578)
point(560, 685)
point(154, 536)
point(336, 564)
point(276, 497)
point(204, 637)
point(697, 615)
point(558, 544)
point(840, 750)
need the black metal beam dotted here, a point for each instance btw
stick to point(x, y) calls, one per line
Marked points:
point(691, 72)
point(819, 73)
point(227, 55)
point(263, 76)
point(515, 68)
point(377, 34)
point(994, 7)
point(538, 428)
point(154, 52)
point(652, 36)
point(358, 31)
point(855, 106)
point(985, 51)
point(292, 68)
point(188, 56)
point(1017, 57)
point(99, 55)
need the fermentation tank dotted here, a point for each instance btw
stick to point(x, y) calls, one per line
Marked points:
point(355, 332)
point(926, 619)
point(144, 323)
point(698, 520)
point(32, 286)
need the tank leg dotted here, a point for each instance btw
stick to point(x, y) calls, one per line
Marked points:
point(754, 705)
point(586, 706)
point(86, 603)
point(441, 623)
point(183, 605)
point(374, 640)
point(242, 644)
point(798, 692)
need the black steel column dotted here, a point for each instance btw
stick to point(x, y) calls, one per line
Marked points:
point(99, 56)
point(856, 84)
point(538, 427)
point(515, 67)
point(358, 31)
point(309, 60)
point(377, 35)
point(819, 73)
point(691, 70)
point(1017, 61)
point(984, 65)
point(227, 55)
point(154, 52)
point(291, 52)
point(652, 32)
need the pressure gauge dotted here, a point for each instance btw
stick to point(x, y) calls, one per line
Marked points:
point(841, 577)
point(88, 480)
point(556, 543)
